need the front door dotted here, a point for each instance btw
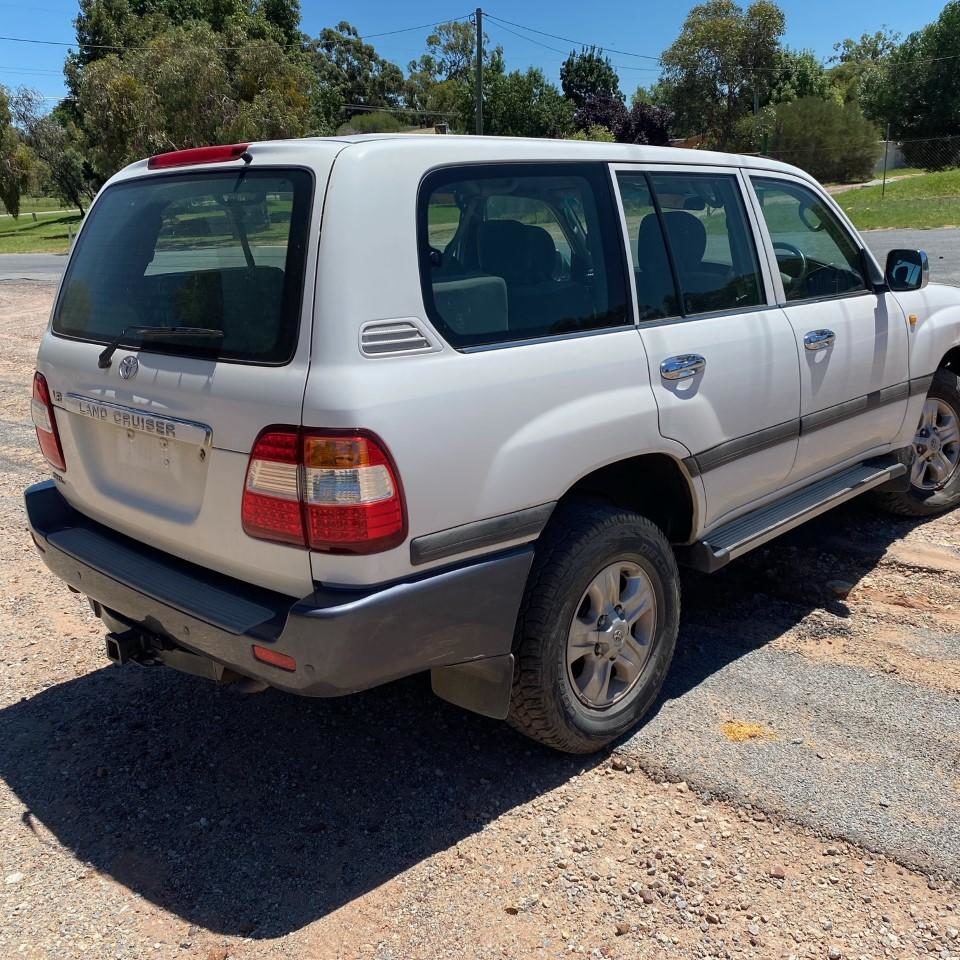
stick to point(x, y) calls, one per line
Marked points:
point(723, 360)
point(852, 341)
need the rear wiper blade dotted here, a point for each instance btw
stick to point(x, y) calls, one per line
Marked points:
point(203, 333)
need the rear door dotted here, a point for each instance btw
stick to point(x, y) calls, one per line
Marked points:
point(852, 340)
point(722, 357)
point(156, 442)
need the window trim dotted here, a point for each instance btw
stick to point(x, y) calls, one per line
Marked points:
point(597, 177)
point(306, 271)
point(767, 290)
point(841, 221)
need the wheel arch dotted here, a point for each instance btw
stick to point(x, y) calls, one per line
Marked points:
point(951, 360)
point(655, 485)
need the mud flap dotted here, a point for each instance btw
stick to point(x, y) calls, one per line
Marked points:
point(482, 686)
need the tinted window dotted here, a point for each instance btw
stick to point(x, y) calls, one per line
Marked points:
point(510, 252)
point(656, 292)
point(218, 250)
point(816, 255)
point(709, 241)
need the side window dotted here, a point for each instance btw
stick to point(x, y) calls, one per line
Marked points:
point(816, 255)
point(514, 251)
point(656, 293)
point(709, 241)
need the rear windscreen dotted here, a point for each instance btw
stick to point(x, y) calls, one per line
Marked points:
point(223, 251)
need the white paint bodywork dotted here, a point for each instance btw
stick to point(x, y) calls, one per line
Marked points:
point(484, 433)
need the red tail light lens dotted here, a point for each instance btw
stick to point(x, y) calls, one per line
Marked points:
point(186, 158)
point(45, 420)
point(271, 494)
point(332, 492)
point(352, 494)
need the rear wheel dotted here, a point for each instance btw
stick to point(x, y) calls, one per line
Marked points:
point(597, 629)
point(934, 476)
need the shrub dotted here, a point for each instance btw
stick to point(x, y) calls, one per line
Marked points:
point(378, 121)
point(833, 142)
point(597, 132)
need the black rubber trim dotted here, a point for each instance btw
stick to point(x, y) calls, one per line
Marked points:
point(528, 522)
point(921, 385)
point(731, 450)
point(853, 408)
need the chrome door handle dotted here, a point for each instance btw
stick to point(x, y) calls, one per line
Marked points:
point(682, 367)
point(819, 339)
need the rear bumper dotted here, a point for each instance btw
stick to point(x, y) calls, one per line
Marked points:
point(343, 640)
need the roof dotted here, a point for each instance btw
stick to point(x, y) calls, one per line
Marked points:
point(431, 151)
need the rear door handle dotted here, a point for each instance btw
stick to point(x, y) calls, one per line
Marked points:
point(819, 339)
point(683, 366)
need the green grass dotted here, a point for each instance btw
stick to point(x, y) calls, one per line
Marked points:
point(47, 234)
point(931, 200)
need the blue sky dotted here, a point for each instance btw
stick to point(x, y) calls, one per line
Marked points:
point(628, 26)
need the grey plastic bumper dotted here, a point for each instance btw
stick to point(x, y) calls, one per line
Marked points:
point(343, 640)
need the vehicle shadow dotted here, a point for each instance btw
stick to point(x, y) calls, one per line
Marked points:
point(257, 815)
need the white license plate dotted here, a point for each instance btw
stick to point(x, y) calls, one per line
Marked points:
point(139, 451)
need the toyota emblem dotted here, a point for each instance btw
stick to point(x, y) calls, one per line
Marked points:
point(129, 367)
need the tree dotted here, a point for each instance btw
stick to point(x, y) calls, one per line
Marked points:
point(916, 87)
point(526, 104)
point(589, 75)
point(17, 162)
point(56, 141)
point(377, 121)
point(190, 86)
point(832, 141)
point(442, 78)
point(857, 61)
point(724, 57)
point(643, 123)
point(354, 71)
point(798, 74)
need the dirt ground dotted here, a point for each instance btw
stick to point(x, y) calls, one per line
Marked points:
point(796, 794)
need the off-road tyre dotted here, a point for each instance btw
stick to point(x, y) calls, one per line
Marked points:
point(917, 502)
point(582, 538)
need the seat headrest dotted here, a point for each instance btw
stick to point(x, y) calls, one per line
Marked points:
point(516, 251)
point(542, 254)
point(688, 238)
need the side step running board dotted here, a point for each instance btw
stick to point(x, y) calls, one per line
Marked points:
point(742, 535)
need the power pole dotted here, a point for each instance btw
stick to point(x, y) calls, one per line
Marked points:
point(479, 91)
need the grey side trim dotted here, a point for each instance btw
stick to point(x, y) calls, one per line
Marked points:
point(853, 408)
point(730, 450)
point(528, 523)
point(921, 385)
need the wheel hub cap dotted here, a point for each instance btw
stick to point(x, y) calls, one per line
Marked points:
point(611, 637)
point(937, 445)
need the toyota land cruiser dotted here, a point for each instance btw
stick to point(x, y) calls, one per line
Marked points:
point(324, 413)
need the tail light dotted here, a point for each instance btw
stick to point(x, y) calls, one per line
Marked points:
point(45, 420)
point(194, 155)
point(331, 492)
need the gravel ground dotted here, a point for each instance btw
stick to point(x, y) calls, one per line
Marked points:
point(795, 795)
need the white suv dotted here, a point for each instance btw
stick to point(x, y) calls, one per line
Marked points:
point(325, 413)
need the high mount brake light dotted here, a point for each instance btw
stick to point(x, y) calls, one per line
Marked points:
point(45, 420)
point(186, 158)
point(329, 491)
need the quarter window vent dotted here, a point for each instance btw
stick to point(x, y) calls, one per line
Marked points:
point(389, 338)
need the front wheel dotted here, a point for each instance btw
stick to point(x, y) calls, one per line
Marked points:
point(934, 475)
point(597, 629)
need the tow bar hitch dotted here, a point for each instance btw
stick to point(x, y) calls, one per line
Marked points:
point(125, 647)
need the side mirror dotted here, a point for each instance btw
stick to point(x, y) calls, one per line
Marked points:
point(907, 270)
